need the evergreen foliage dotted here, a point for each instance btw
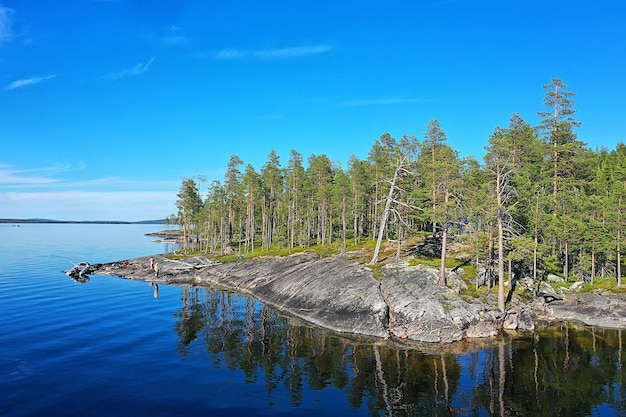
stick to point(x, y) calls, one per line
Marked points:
point(540, 199)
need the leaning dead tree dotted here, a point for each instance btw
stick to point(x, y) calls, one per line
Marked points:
point(390, 201)
point(505, 193)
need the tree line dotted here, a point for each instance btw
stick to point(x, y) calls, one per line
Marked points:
point(539, 197)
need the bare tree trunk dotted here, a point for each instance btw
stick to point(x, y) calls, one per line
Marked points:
point(593, 262)
point(500, 264)
point(356, 224)
point(489, 266)
point(619, 238)
point(381, 230)
point(566, 267)
point(399, 247)
point(536, 236)
point(385, 217)
point(510, 272)
point(344, 224)
point(444, 243)
point(444, 249)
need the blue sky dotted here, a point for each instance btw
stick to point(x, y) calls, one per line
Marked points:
point(107, 104)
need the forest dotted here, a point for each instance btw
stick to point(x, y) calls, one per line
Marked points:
point(540, 198)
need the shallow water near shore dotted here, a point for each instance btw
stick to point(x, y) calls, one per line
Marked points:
point(119, 347)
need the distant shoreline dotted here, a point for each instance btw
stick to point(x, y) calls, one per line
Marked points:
point(49, 221)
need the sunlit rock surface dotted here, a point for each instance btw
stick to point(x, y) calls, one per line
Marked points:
point(341, 294)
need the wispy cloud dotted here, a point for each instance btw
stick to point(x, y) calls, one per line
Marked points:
point(6, 23)
point(138, 69)
point(380, 102)
point(44, 176)
point(60, 177)
point(171, 36)
point(272, 54)
point(13, 178)
point(28, 81)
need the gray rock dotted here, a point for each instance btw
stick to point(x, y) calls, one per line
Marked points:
point(482, 329)
point(519, 318)
point(340, 294)
point(554, 279)
point(593, 310)
point(421, 310)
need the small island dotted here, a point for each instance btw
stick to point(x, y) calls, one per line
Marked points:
point(414, 242)
point(398, 300)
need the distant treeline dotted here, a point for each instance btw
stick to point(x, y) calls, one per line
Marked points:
point(539, 199)
point(23, 221)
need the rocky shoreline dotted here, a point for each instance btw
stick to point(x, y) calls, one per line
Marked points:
point(341, 294)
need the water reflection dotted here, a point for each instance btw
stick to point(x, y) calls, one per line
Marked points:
point(574, 371)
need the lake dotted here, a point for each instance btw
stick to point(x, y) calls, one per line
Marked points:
point(116, 347)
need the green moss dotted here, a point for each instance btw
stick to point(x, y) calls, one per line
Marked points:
point(377, 271)
point(228, 258)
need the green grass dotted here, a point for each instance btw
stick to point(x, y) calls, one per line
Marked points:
point(471, 293)
point(469, 269)
point(606, 284)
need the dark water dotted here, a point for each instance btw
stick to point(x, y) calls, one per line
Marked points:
point(111, 348)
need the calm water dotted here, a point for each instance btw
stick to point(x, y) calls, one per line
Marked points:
point(110, 347)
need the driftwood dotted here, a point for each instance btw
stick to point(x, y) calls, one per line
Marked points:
point(202, 263)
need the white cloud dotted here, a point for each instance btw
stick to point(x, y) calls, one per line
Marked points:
point(380, 102)
point(138, 69)
point(6, 23)
point(28, 81)
point(273, 54)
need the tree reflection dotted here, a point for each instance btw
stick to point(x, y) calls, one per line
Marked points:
point(562, 371)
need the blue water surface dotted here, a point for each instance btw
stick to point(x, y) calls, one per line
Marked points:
point(108, 347)
point(117, 347)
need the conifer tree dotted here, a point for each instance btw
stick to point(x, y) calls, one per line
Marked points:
point(440, 166)
point(272, 191)
point(189, 204)
point(253, 190)
point(295, 179)
point(232, 190)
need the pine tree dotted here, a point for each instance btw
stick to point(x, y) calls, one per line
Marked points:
point(232, 190)
point(294, 179)
point(441, 168)
point(558, 128)
point(272, 176)
point(253, 190)
point(189, 204)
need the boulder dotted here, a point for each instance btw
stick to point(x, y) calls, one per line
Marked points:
point(519, 318)
point(421, 310)
point(482, 329)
